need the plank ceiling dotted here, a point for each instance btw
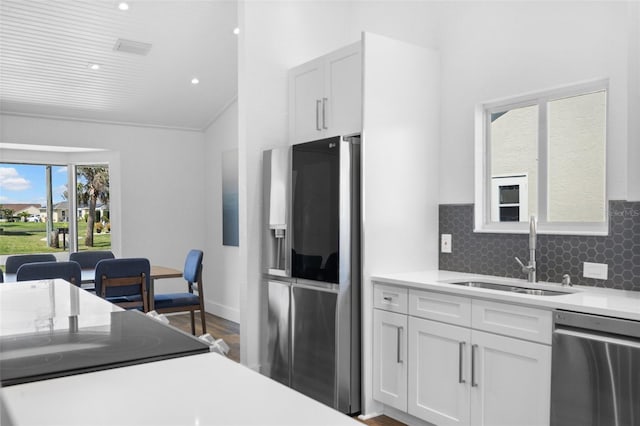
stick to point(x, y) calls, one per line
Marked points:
point(46, 48)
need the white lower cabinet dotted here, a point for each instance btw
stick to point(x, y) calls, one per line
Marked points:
point(512, 381)
point(439, 372)
point(457, 374)
point(389, 358)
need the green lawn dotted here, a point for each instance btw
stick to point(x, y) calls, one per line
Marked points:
point(27, 237)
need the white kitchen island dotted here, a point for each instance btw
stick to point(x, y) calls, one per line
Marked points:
point(206, 389)
point(197, 389)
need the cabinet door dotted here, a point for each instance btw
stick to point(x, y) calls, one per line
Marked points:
point(342, 103)
point(511, 384)
point(439, 356)
point(389, 358)
point(306, 93)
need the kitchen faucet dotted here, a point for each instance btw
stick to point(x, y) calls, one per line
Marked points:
point(530, 268)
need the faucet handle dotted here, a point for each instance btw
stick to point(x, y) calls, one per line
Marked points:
point(525, 268)
point(566, 280)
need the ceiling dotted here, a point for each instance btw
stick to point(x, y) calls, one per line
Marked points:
point(46, 48)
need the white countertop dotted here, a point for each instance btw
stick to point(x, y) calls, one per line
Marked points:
point(34, 306)
point(594, 300)
point(200, 390)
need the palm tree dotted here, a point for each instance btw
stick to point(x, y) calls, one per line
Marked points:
point(93, 187)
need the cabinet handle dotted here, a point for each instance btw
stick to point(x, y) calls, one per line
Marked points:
point(460, 356)
point(317, 115)
point(324, 113)
point(388, 298)
point(473, 366)
point(399, 359)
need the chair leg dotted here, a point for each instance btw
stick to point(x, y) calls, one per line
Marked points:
point(204, 321)
point(193, 323)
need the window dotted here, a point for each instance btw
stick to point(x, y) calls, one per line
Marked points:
point(36, 208)
point(509, 198)
point(543, 155)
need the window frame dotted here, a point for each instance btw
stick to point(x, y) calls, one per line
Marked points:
point(482, 177)
point(520, 180)
point(72, 157)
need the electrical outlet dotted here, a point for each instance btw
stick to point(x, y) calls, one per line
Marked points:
point(598, 271)
point(445, 243)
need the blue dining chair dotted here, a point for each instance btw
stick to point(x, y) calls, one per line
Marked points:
point(124, 282)
point(14, 262)
point(69, 271)
point(187, 301)
point(90, 258)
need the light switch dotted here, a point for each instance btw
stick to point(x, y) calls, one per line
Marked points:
point(445, 243)
point(598, 271)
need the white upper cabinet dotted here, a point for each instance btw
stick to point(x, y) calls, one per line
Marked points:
point(325, 96)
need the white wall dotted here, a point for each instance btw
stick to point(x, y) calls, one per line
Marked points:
point(492, 50)
point(160, 179)
point(400, 171)
point(222, 269)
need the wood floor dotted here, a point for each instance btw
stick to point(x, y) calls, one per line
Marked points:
point(218, 328)
point(229, 331)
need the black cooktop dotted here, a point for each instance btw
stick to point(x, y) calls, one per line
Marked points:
point(126, 338)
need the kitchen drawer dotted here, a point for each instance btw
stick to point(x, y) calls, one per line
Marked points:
point(440, 307)
point(511, 320)
point(390, 298)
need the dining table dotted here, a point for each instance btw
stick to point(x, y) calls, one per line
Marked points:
point(89, 275)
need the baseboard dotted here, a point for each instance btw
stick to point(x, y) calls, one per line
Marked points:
point(223, 311)
point(368, 416)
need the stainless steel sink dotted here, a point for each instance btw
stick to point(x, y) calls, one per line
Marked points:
point(510, 288)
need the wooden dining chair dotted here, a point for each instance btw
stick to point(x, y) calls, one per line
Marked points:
point(69, 271)
point(90, 258)
point(14, 262)
point(187, 301)
point(124, 282)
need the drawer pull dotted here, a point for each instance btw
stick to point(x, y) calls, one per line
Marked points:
point(388, 298)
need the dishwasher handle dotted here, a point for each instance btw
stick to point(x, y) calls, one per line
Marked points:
point(586, 323)
point(609, 339)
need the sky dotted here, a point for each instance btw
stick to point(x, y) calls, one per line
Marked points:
point(26, 183)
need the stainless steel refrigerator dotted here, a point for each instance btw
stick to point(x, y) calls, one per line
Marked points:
point(312, 269)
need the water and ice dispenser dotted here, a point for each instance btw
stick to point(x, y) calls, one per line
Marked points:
point(277, 166)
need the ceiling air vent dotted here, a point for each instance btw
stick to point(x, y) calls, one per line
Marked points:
point(130, 46)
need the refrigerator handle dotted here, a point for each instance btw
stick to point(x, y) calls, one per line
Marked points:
point(291, 336)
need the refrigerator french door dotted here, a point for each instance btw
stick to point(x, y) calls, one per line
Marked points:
point(318, 293)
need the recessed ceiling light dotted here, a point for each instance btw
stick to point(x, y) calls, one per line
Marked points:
point(236, 30)
point(123, 6)
point(93, 66)
point(195, 81)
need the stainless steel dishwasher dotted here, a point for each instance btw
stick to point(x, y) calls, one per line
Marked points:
point(595, 371)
